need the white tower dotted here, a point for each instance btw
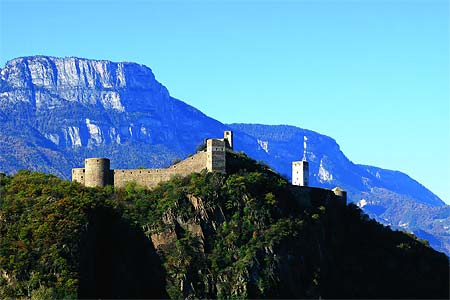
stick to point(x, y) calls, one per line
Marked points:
point(300, 169)
point(228, 137)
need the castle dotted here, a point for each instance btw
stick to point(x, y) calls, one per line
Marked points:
point(97, 171)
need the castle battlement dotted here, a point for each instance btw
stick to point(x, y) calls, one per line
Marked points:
point(97, 172)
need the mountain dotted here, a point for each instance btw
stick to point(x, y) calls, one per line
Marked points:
point(71, 108)
point(244, 234)
point(391, 197)
point(55, 112)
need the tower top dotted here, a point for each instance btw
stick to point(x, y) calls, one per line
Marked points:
point(228, 138)
point(304, 148)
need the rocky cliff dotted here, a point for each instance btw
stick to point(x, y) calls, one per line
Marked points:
point(55, 112)
point(73, 105)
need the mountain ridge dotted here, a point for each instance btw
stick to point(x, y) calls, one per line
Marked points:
point(57, 111)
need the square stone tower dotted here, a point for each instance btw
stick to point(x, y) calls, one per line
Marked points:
point(215, 155)
point(300, 173)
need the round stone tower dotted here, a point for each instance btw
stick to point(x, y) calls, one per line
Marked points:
point(97, 172)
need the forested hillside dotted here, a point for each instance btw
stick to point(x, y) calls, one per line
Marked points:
point(244, 235)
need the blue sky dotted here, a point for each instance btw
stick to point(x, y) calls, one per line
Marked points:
point(374, 75)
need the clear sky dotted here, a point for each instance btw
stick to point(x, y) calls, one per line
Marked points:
point(374, 75)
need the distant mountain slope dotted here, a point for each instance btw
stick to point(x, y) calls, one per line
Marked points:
point(391, 197)
point(55, 112)
point(89, 107)
point(329, 167)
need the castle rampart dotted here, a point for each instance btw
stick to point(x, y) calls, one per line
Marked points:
point(151, 177)
point(97, 171)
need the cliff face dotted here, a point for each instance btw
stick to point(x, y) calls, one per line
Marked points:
point(71, 106)
point(75, 102)
point(55, 112)
point(37, 80)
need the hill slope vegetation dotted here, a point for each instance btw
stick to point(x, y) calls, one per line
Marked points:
point(244, 235)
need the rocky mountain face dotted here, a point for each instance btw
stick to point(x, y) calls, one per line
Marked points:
point(55, 112)
point(68, 108)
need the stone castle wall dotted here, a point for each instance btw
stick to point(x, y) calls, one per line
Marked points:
point(97, 171)
point(151, 177)
point(78, 175)
point(305, 195)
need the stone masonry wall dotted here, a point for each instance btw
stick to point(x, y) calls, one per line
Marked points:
point(151, 177)
point(97, 172)
point(304, 196)
point(78, 175)
point(215, 158)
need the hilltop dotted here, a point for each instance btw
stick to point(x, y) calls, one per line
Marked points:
point(243, 234)
point(55, 112)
